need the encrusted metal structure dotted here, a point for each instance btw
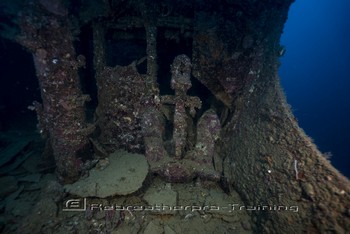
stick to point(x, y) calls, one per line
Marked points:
point(233, 125)
point(184, 164)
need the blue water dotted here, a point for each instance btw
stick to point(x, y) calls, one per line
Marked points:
point(315, 74)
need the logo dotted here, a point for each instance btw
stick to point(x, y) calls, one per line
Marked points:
point(75, 205)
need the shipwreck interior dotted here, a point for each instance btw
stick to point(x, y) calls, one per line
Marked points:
point(157, 117)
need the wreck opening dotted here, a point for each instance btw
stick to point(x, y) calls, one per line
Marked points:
point(84, 46)
point(172, 42)
point(19, 87)
point(125, 46)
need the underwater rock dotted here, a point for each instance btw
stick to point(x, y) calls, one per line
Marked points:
point(12, 149)
point(164, 196)
point(33, 178)
point(53, 190)
point(168, 230)
point(152, 228)
point(8, 185)
point(19, 208)
point(124, 175)
point(44, 210)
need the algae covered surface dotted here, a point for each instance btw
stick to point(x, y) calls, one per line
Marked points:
point(123, 175)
